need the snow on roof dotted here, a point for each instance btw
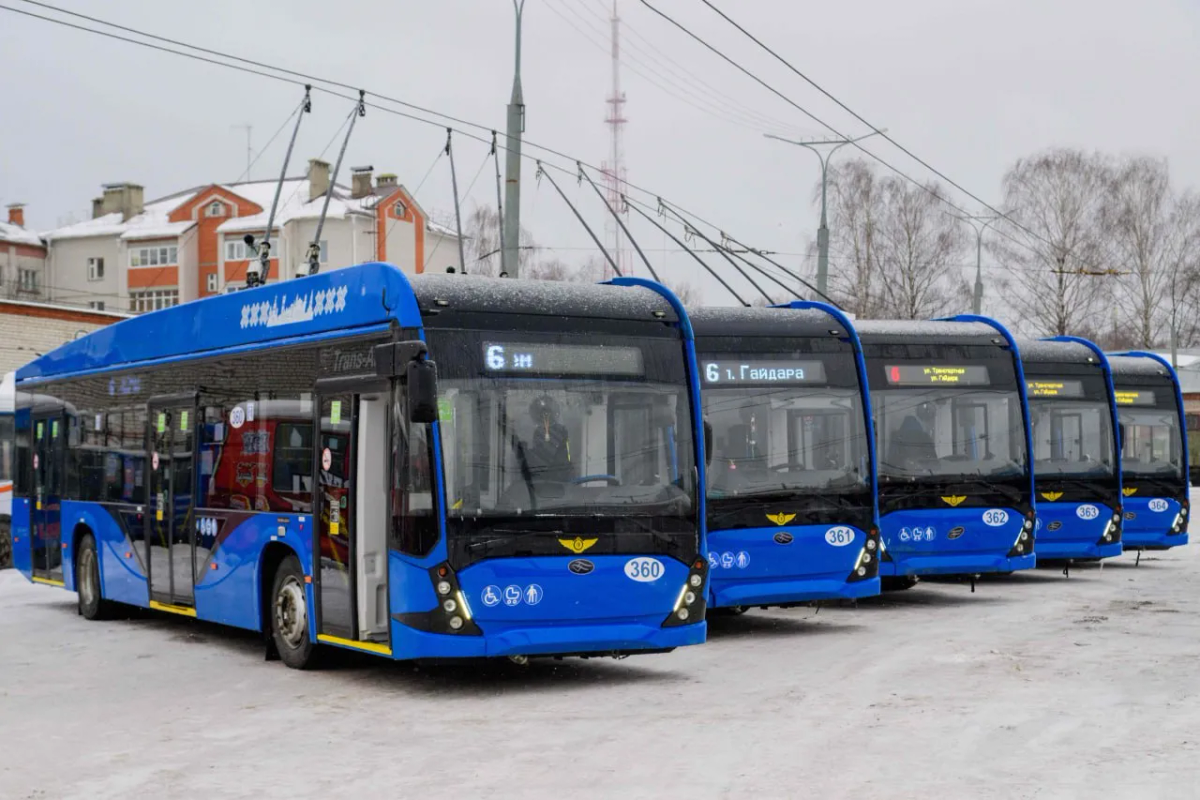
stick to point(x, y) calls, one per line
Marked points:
point(18, 235)
point(294, 204)
point(441, 230)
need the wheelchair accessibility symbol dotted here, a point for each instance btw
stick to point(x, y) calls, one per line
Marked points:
point(491, 596)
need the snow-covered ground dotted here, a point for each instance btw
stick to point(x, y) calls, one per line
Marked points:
point(1035, 686)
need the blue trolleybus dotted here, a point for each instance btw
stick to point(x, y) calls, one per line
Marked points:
point(1076, 462)
point(952, 437)
point(1154, 467)
point(791, 476)
point(427, 468)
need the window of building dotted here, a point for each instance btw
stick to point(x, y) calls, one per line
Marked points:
point(27, 280)
point(399, 210)
point(95, 269)
point(215, 210)
point(159, 255)
point(152, 300)
point(96, 305)
point(210, 282)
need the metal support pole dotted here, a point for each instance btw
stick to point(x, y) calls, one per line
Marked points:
point(979, 223)
point(499, 205)
point(462, 256)
point(510, 255)
point(823, 228)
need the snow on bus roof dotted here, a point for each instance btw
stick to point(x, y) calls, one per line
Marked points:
point(743, 321)
point(1043, 351)
point(1137, 365)
point(923, 329)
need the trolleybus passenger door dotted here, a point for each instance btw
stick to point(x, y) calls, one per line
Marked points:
point(351, 523)
point(169, 503)
point(49, 453)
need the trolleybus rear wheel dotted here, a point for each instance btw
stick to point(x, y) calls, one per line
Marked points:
point(87, 581)
point(289, 616)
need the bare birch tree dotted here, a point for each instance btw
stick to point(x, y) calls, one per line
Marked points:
point(1058, 198)
point(853, 202)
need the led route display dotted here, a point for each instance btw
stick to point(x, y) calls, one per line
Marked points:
point(935, 374)
point(1134, 397)
point(563, 359)
point(1054, 388)
point(739, 371)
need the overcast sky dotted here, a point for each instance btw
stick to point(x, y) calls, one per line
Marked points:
point(969, 85)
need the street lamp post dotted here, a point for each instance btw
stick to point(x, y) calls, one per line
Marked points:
point(510, 255)
point(979, 223)
point(823, 230)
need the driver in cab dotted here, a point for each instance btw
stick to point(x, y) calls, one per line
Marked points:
point(912, 443)
point(548, 452)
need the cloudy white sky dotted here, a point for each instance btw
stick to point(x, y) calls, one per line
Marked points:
point(970, 85)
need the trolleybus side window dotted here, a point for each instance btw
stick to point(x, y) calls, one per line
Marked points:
point(414, 525)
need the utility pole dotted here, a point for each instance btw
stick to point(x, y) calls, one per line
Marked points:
point(823, 229)
point(248, 128)
point(510, 255)
point(979, 223)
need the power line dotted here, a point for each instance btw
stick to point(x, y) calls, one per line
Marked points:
point(302, 79)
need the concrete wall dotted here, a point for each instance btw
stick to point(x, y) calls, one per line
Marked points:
point(14, 257)
point(27, 330)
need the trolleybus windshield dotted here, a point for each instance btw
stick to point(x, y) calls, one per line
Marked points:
point(560, 425)
point(947, 421)
point(1072, 427)
point(1150, 435)
point(779, 427)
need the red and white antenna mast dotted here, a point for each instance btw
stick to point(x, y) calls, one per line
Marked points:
point(614, 168)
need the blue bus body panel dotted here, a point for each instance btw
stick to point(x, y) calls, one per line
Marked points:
point(22, 544)
point(919, 541)
point(748, 567)
point(1073, 530)
point(532, 606)
point(1152, 519)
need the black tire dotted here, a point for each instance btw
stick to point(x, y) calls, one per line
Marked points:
point(289, 616)
point(898, 583)
point(92, 604)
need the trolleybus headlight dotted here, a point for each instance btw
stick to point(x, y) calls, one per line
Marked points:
point(689, 605)
point(871, 544)
point(864, 564)
point(861, 571)
point(451, 614)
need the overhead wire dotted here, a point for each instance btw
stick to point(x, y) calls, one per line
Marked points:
point(246, 173)
point(257, 68)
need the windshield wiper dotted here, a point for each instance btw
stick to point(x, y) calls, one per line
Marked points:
point(526, 474)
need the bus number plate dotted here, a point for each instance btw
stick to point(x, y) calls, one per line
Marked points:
point(643, 570)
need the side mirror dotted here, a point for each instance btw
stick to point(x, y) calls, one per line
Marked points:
point(422, 391)
point(708, 443)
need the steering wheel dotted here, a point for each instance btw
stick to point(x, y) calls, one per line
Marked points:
point(612, 480)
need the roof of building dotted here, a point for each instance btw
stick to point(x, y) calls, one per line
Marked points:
point(294, 204)
point(18, 235)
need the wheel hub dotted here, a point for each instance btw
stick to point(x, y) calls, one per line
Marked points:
point(291, 613)
point(87, 577)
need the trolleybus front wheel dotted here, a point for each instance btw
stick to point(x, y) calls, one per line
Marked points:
point(87, 581)
point(289, 616)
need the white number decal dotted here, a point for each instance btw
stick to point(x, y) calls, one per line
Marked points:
point(995, 517)
point(712, 373)
point(643, 570)
point(1158, 504)
point(839, 536)
point(495, 356)
point(1087, 512)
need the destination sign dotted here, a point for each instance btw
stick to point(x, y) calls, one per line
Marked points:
point(935, 374)
point(562, 359)
point(740, 371)
point(1053, 388)
point(1134, 397)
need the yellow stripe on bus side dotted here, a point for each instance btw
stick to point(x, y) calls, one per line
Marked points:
point(370, 647)
point(48, 581)
point(170, 609)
